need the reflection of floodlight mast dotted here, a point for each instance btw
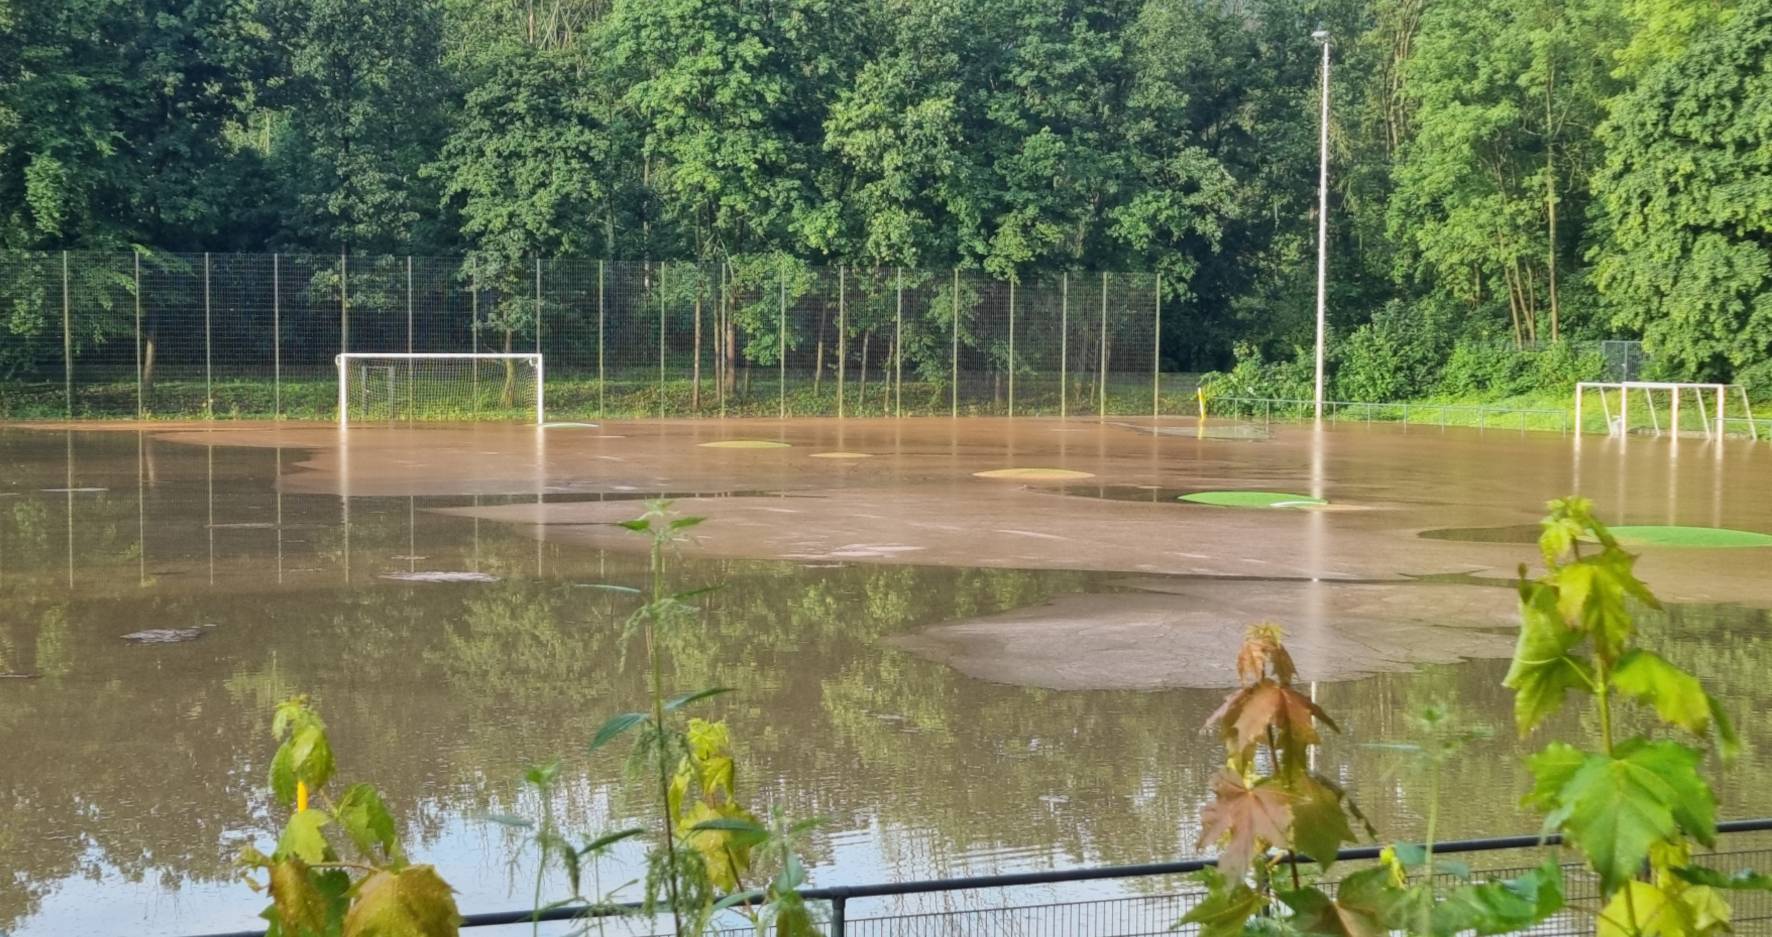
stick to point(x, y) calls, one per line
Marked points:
point(1321, 36)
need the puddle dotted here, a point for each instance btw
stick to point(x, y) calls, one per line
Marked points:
point(1247, 431)
point(1145, 493)
point(1512, 533)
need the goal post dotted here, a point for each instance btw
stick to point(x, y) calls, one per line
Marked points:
point(1658, 406)
point(388, 388)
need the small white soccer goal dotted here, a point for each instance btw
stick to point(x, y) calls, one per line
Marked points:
point(401, 388)
point(1709, 403)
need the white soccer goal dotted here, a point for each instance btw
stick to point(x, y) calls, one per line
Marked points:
point(390, 388)
point(1709, 403)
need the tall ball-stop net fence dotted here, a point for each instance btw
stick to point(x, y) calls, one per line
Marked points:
point(158, 335)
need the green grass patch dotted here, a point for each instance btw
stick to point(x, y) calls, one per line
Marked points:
point(1656, 535)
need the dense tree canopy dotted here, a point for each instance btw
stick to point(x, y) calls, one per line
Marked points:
point(1503, 169)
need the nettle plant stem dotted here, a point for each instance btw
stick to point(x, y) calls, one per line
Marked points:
point(667, 826)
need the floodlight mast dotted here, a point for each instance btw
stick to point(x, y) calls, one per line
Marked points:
point(1321, 37)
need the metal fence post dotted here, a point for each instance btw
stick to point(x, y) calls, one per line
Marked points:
point(898, 350)
point(410, 401)
point(344, 303)
point(1157, 351)
point(781, 343)
point(842, 334)
point(208, 348)
point(1064, 343)
point(1011, 346)
point(600, 382)
point(538, 304)
point(474, 329)
point(839, 916)
point(954, 356)
point(139, 408)
point(67, 343)
point(1101, 412)
point(276, 337)
point(661, 340)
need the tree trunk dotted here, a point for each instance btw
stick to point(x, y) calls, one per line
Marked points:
point(818, 359)
point(1550, 205)
point(731, 353)
point(861, 391)
point(508, 396)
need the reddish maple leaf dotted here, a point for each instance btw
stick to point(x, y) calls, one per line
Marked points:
point(1261, 651)
point(1248, 714)
point(1241, 817)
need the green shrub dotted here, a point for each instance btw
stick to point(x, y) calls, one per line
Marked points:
point(1396, 356)
point(1255, 378)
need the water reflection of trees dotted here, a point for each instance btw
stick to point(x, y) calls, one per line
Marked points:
point(146, 762)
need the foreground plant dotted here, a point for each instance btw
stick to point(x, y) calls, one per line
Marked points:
point(320, 887)
point(1280, 826)
point(706, 836)
point(1634, 807)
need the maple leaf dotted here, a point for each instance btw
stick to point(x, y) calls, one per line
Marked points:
point(1262, 650)
point(1241, 816)
point(1248, 713)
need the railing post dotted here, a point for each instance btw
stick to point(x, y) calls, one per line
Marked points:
point(839, 915)
point(661, 340)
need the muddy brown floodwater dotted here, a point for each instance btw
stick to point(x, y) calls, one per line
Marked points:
point(964, 674)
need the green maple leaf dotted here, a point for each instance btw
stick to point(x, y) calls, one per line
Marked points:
point(1551, 770)
point(301, 907)
point(1543, 670)
point(1225, 909)
point(1318, 915)
point(1677, 696)
point(413, 902)
point(1615, 808)
point(303, 838)
point(1319, 824)
point(1502, 907)
point(366, 819)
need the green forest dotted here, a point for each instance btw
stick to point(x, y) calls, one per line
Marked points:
point(1504, 173)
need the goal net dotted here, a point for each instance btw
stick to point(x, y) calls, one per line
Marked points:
point(400, 388)
point(1672, 408)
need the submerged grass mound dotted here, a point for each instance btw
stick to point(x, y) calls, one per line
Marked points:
point(1035, 474)
point(1657, 535)
point(1253, 499)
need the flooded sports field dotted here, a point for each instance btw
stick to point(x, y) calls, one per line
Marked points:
point(970, 645)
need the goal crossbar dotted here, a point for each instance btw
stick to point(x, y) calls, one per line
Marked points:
point(1713, 418)
point(392, 360)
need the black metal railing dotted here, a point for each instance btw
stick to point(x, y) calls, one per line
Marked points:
point(1135, 915)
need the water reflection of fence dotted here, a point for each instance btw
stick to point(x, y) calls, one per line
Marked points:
point(1500, 416)
point(1153, 914)
point(208, 336)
